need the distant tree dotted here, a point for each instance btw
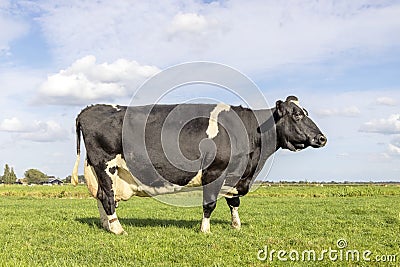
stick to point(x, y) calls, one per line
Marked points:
point(9, 176)
point(81, 179)
point(6, 172)
point(34, 176)
point(67, 179)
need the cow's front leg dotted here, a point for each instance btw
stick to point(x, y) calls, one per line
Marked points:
point(234, 204)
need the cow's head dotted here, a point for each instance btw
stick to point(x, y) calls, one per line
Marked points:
point(295, 130)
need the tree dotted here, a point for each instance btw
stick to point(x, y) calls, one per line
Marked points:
point(9, 176)
point(34, 176)
point(81, 179)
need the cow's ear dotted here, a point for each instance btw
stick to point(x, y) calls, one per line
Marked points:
point(291, 98)
point(280, 108)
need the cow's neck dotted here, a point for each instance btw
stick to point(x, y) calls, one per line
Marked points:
point(268, 133)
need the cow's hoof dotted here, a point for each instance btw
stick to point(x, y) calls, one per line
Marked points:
point(205, 226)
point(236, 224)
point(235, 227)
point(204, 231)
point(116, 228)
point(121, 233)
point(235, 220)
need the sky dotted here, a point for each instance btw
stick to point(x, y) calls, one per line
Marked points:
point(340, 58)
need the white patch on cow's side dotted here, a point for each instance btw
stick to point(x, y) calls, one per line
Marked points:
point(228, 191)
point(91, 179)
point(205, 225)
point(126, 185)
point(116, 107)
point(235, 218)
point(196, 181)
point(114, 224)
point(212, 129)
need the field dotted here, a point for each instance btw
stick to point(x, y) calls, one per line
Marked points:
point(59, 226)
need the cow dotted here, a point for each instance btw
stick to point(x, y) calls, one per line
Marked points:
point(220, 149)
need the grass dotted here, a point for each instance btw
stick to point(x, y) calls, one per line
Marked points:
point(59, 226)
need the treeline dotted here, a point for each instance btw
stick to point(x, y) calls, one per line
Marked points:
point(31, 176)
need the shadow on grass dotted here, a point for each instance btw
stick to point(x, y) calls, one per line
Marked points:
point(151, 222)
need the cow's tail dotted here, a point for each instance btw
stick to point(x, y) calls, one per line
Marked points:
point(74, 177)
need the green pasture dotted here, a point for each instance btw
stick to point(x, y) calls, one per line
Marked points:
point(59, 226)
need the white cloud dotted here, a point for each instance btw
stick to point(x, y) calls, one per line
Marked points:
point(351, 111)
point(394, 150)
point(249, 35)
point(386, 101)
point(37, 131)
point(12, 125)
point(11, 28)
point(193, 27)
point(390, 125)
point(188, 22)
point(49, 131)
point(86, 81)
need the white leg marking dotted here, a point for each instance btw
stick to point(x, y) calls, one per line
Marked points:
point(212, 129)
point(235, 218)
point(114, 225)
point(205, 225)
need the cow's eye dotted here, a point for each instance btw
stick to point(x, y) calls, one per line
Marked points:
point(297, 116)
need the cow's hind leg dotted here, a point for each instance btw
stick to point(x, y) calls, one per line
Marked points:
point(210, 196)
point(103, 215)
point(93, 187)
point(105, 196)
point(234, 204)
point(108, 216)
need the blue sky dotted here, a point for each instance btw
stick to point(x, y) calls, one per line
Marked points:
point(341, 58)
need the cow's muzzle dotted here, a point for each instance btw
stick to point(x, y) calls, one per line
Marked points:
point(319, 141)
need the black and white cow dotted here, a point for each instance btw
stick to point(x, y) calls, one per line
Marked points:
point(221, 152)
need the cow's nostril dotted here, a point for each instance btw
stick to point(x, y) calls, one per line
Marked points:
point(322, 139)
